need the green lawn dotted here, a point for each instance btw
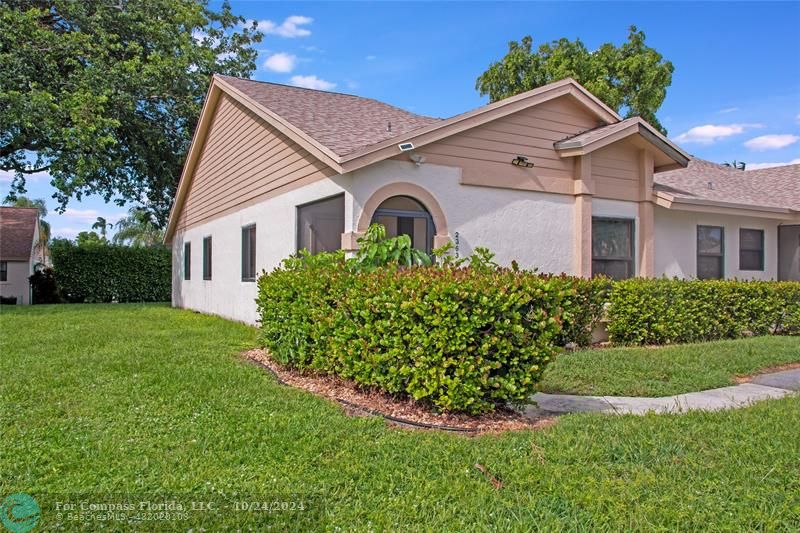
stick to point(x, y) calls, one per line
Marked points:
point(106, 402)
point(667, 370)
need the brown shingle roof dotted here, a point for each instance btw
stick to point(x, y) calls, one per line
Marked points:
point(17, 227)
point(777, 187)
point(594, 134)
point(341, 122)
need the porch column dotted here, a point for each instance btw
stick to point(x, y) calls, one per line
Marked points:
point(646, 238)
point(583, 190)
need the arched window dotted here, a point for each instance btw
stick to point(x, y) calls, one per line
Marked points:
point(403, 215)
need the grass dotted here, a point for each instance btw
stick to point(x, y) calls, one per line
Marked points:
point(111, 402)
point(666, 370)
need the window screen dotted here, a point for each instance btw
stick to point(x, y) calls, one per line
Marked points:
point(249, 253)
point(612, 247)
point(320, 225)
point(207, 258)
point(710, 252)
point(187, 261)
point(3, 270)
point(751, 249)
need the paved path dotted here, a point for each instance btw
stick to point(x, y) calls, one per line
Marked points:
point(765, 386)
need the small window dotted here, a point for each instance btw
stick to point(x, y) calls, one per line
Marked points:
point(320, 225)
point(207, 258)
point(3, 270)
point(187, 261)
point(751, 249)
point(710, 252)
point(249, 253)
point(612, 247)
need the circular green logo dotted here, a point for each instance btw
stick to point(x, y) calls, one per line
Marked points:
point(19, 512)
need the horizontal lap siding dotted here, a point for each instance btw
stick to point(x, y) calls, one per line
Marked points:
point(484, 153)
point(244, 160)
point(615, 169)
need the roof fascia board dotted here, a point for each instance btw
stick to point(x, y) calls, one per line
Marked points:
point(198, 139)
point(477, 117)
point(641, 127)
point(322, 153)
point(670, 201)
point(665, 145)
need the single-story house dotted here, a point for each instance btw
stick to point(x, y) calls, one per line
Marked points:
point(20, 251)
point(552, 178)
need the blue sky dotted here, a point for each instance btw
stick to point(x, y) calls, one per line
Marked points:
point(735, 92)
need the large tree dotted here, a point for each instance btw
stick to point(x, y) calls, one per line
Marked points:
point(104, 94)
point(631, 78)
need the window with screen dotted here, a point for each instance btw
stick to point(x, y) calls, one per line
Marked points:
point(751, 249)
point(187, 261)
point(249, 253)
point(3, 270)
point(710, 252)
point(612, 247)
point(207, 258)
point(320, 225)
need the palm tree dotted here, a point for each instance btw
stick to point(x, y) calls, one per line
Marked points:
point(738, 165)
point(102, 225)
point(44, 226)
point(138, 229)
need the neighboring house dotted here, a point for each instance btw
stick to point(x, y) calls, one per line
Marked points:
point(552, 178)
point(19, 251)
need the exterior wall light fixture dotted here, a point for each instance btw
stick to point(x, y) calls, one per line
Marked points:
point(521, 161)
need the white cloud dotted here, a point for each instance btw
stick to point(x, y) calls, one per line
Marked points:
point(89, 216)
point(771, 142)
point(756, 166)
point(7, 176)
point(710, 133)
point(729, 110)
point(312, 82)
point(67, 233)
point(290, 28)
point(371, 58)
point(280, 62)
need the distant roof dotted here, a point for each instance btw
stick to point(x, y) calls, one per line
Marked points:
point(17, 228)
point(775, 187)
point(342, 122)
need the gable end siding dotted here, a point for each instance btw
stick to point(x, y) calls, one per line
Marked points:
point(484, 153)
point(244, 160)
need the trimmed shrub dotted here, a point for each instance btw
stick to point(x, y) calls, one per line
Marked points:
point(584, 309)
point(457, 338)
point(666, 311)
point(106, 273)
point(44, 287)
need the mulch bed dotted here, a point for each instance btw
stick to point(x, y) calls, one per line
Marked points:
point(402, 412)
point(746, 378)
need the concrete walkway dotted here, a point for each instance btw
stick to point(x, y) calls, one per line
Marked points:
point(763, 387)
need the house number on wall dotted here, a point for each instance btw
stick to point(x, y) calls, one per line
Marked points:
point(456, 241)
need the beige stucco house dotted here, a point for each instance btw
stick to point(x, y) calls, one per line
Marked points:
point(19, 251)
point(552, 178)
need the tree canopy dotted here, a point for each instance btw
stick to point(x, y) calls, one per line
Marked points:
point(631, 78)
point(104, 95)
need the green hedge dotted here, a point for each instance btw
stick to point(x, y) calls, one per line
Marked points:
point(666, 311)
point(106, 273)
point(458, 338)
